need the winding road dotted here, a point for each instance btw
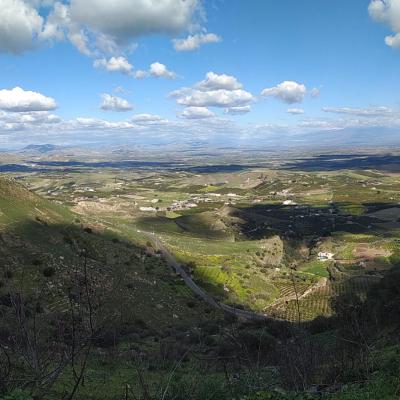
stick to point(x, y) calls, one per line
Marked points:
point(172, 262)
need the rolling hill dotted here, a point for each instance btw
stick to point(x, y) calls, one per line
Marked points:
point(56, 268)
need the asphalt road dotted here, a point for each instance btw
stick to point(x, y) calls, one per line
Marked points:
point(172, 262)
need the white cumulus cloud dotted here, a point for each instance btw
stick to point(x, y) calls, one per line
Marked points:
point(110, 27)
point(60, 25)
point(214, 98)
point(214, 91)
point(20, 100)
point(95, 27)
point(94, 123)
point(193, 42)
point(197, 113)
point(114, 64)
point(237, 110)
point(315, 92)
point(13, 121)
point(156, 70)
point(140, 74)
point(159, 70)
point(148, 119)
point(288, 91)
point(119, 89)
point(33, 117)
point(387, 12)
point(361, 112)
point(20, 25)
point(124, 20)
point(214, 81)
point(295, 111)
point(114, 103)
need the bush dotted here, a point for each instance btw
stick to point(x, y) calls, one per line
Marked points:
point(17, 395)
point(5, 300)
point(191, 304)
point(182, 388)
point(278, 395)
point(107, 339)
point(48, 272)
point(8, 274)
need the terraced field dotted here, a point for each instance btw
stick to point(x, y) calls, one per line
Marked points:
point(320, 301)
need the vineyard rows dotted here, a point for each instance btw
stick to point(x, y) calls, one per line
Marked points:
point(317, 303)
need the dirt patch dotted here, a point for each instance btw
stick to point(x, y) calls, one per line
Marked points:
point(367, 252)
point(315, 192)
point(93, 207)
point(371, 258)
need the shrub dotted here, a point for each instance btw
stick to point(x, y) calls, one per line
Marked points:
point(191, 304)
point(8, 274)
point(68, 240)
point(48, 272)
point(107, 339)
point(17, 394)
point(5, 300)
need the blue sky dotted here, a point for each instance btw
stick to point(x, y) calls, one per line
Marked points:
point(333, 64)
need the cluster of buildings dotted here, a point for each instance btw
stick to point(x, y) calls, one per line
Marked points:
point(182, 205)
point(193, 202)
point(175, 206)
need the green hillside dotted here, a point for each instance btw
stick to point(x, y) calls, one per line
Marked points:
point(56, 267)
point(86, 313)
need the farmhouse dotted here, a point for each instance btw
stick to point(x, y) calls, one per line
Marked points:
point(147, 209)
point(289, 203)
point(325, 256)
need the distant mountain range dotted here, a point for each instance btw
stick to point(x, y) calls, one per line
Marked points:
point(41, 148)
point(349, 138)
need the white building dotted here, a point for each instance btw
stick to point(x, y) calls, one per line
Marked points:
point(325, 256)
point(289, 203)
point(147, 209)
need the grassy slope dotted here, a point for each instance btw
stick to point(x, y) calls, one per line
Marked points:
point(42, 230)
point(138, 294)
